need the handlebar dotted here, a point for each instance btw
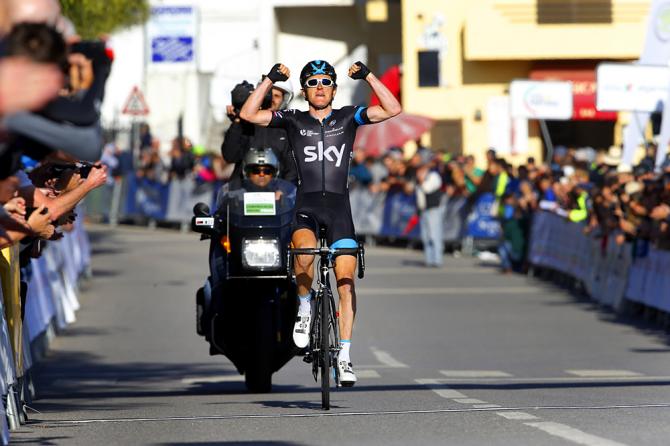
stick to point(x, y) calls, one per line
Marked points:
point(324, 251)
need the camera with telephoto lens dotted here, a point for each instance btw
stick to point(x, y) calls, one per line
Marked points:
point(94, 50)
point(30, 210)
point(82, 168)
point(240, 94)
point(242, 91)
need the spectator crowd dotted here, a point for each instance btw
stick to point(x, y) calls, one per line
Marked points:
point(51, 87)
point(610, 199)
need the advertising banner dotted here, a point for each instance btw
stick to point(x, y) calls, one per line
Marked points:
point(656, 51)
point(630, 87)
point(400, 217)
point(480, 223)
point(548, 100)
point(146, 198)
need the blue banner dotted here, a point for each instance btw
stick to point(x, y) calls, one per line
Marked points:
point(400, 217)
point(146, 198)
point(480, 223)
point(172, 49)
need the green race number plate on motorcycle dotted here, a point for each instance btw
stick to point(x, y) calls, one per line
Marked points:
point(259, 203)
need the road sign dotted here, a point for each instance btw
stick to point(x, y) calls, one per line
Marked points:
point(135, 104)
point(171, 31)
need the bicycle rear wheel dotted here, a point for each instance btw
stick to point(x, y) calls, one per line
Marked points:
point(324, 355)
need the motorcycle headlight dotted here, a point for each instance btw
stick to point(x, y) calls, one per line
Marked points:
point(261, 254)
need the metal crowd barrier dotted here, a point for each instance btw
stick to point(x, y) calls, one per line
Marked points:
point(612, 274)
point(390, 215)
point(50, 305)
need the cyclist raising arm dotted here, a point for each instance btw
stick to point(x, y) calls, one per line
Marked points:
point(322, 141)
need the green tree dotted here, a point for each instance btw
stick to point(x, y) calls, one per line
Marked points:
point(95, 17)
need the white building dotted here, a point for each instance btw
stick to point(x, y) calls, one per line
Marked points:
point(235, 41)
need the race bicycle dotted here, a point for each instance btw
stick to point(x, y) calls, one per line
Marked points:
point(324, 341)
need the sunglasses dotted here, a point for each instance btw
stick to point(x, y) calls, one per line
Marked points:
point(314, 82)
point(262, 170)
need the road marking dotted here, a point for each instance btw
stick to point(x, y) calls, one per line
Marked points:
point(562, 379)
point(604, 373)
point(366, 374)
point(346, 414)
point(213, 379)
point(391, 271)
point(448, 393)
point(517, 415)
point(571, 434)
point(492, 292)
point(388, 360)
point(433, 385)
point(475, 374)
point(487, 406)
point(470, 401)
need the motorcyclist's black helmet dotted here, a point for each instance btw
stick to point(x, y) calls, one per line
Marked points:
point(317, 67)
point(260, 157)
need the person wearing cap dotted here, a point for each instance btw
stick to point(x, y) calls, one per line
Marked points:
point(582, 203)
point(322, 140)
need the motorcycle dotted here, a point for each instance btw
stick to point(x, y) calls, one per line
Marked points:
point(246, 309)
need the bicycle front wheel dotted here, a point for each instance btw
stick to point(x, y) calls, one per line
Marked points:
point(324, 345)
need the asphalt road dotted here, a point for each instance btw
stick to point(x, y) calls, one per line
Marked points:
point(458, 356)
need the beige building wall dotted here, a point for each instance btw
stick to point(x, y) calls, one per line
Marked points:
point(489, 43)
point(341, 35)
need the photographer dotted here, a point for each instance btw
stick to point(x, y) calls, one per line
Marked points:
point(71, 121)
point(16, 220)
point(242, 136)
point(60, 186)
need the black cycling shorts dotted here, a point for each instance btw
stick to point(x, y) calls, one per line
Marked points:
point(331, 210)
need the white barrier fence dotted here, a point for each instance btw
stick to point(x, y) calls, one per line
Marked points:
point(51, 303)
point(608, 271)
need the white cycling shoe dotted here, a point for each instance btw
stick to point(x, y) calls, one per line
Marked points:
point(347, 375)
point(301, 330)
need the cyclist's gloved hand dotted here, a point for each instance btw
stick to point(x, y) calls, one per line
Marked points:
point(276, 75)
point(362, 71)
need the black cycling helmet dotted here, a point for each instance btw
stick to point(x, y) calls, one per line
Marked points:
point(317, 67)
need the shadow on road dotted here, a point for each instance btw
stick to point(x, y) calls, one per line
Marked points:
point(644, 321)
point(233, 443)
point(39, 441)
point(68, 377)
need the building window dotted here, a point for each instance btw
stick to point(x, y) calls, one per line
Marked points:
point(574, 11)
point(429, 68)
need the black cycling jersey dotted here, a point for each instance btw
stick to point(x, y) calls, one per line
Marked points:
point(322, 150)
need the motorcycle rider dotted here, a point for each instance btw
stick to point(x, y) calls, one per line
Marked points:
point(242, 135)
point(261, 169)
point(322, 141)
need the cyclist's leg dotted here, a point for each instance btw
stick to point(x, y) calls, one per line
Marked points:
point(342, 235)
point(304, 265)
point(304, 236)
point(345, 266)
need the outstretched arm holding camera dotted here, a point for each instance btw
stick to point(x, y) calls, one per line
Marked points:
point(64, 203)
